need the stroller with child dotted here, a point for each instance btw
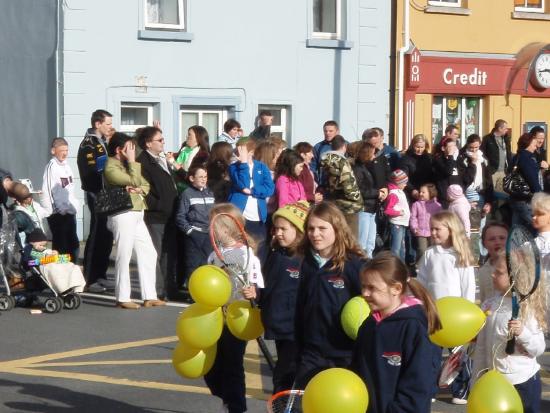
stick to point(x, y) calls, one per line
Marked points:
point(23, 280)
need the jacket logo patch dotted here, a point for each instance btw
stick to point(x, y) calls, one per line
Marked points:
point(393, 359)
point(337, 282)
point(293, 273)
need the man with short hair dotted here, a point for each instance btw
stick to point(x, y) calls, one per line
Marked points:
point(497, 149)
point(231, 132)
point(263, 130)
point(330, 130)
point(451, 132)
point(342, 186)
point(161, 200)
point(91, 159)
point(375, 136)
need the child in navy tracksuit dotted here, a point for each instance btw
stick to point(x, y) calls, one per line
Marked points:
point(192, 220)
point(393, 352)
point(329, 279)
point(281, 270)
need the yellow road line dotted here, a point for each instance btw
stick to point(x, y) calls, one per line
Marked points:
point(86, 351)
point(102, 363)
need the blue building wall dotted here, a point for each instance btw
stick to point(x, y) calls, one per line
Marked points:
point(236, 54)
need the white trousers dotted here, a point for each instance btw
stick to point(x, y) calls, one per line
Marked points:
point(131, 234)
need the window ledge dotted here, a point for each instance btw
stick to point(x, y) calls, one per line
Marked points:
point(329, 44)
point(165, 35)
point(530, 15)
point(448, 10)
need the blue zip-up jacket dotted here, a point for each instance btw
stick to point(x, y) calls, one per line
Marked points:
point(318, 150)
point(321, 296)
point(394, 359)
point(264, 186)
point(278, 298)
point(194, 207)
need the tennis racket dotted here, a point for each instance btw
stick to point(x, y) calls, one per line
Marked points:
point(451, 367)
point(230, 243)
point(286, 401)
point(523, 263)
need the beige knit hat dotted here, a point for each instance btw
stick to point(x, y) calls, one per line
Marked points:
point(294, 213)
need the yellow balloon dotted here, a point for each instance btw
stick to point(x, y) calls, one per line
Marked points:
point(353, 314)
point(335, 390)
point(200, 326)
point(461, 321)
point(492, 393)
point(191, 362)
point(243, 321)
point(209, 285)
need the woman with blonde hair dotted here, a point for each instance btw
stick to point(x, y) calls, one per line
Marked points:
point(329, 279)
point(417, 164)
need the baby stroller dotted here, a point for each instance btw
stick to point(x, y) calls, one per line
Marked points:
point(34, 287)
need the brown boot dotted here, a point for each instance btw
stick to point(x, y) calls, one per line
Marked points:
point(128, 305)
point(154, 303)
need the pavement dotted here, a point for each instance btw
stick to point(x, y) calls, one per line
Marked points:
point(99, 358)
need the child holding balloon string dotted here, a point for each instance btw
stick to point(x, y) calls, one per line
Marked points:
point(329, 278)
point(393, 348)
point(446, 269)
point(520, 368)
point(226, 378)
point(277, 300)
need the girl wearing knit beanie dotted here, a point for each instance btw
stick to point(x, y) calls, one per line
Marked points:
point(459, 205)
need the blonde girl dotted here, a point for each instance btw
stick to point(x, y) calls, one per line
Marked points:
point(329, 278)
point(520, 368)
point(446, 269)
point(226, 379)
point(393, 349)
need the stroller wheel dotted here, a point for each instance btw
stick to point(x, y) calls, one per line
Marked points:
point(53, 305)
point(71, 301)
point(7, 302)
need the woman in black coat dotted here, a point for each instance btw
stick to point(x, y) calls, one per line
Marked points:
point(445, 165)
point(417, 163)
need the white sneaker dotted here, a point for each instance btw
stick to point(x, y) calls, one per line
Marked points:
point(96, 288)
point(457, 400)
point(108, 284)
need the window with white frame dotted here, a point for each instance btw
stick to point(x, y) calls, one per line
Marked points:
point(135, 115)
point(536, 6)
point(211, 118)
point(466, 112)
point(446, 3)
point(327, 19)
point(165, 14)
point(281, 124)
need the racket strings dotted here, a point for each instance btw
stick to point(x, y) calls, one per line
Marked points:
point(286, 403)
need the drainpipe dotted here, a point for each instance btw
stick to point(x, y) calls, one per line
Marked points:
point(58, 70)
point(393, 72)
point(402, 51)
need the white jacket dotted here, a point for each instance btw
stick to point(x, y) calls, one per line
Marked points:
point(58, 195)
point(518, 367)
point(439, 273)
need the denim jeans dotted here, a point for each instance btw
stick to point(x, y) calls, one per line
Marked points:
point(530, 393)
point(398, 240)
point(367, 232)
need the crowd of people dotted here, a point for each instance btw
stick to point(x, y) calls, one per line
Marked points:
point(339, 219)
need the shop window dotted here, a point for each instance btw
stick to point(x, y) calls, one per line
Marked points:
point(211, 118)
point(135, 115)
point(281, 120)
point(165, 14)
point(327, 19)
point(464, 112)
point(445, 3)
point(535, 6)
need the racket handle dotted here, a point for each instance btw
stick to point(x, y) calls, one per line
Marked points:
point(511, 345)
point(266, 353)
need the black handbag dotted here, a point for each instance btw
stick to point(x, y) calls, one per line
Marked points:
point(515, 185)
point(112, 201)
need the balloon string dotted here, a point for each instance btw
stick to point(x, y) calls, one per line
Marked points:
point(497, 346)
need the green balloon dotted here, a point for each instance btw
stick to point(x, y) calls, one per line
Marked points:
point(492, 393)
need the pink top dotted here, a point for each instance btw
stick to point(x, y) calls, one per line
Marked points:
point(406, 301)
point(421, 213)
point(289, 190)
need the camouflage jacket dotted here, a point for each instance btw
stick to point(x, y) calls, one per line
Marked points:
point(342, 186)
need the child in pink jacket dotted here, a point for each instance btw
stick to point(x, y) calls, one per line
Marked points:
point(459, 205)
point(421, 213)
point(288, 187)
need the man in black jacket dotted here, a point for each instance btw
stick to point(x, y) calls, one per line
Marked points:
point(160, 200)
point(496, 148)
point(91, 158)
